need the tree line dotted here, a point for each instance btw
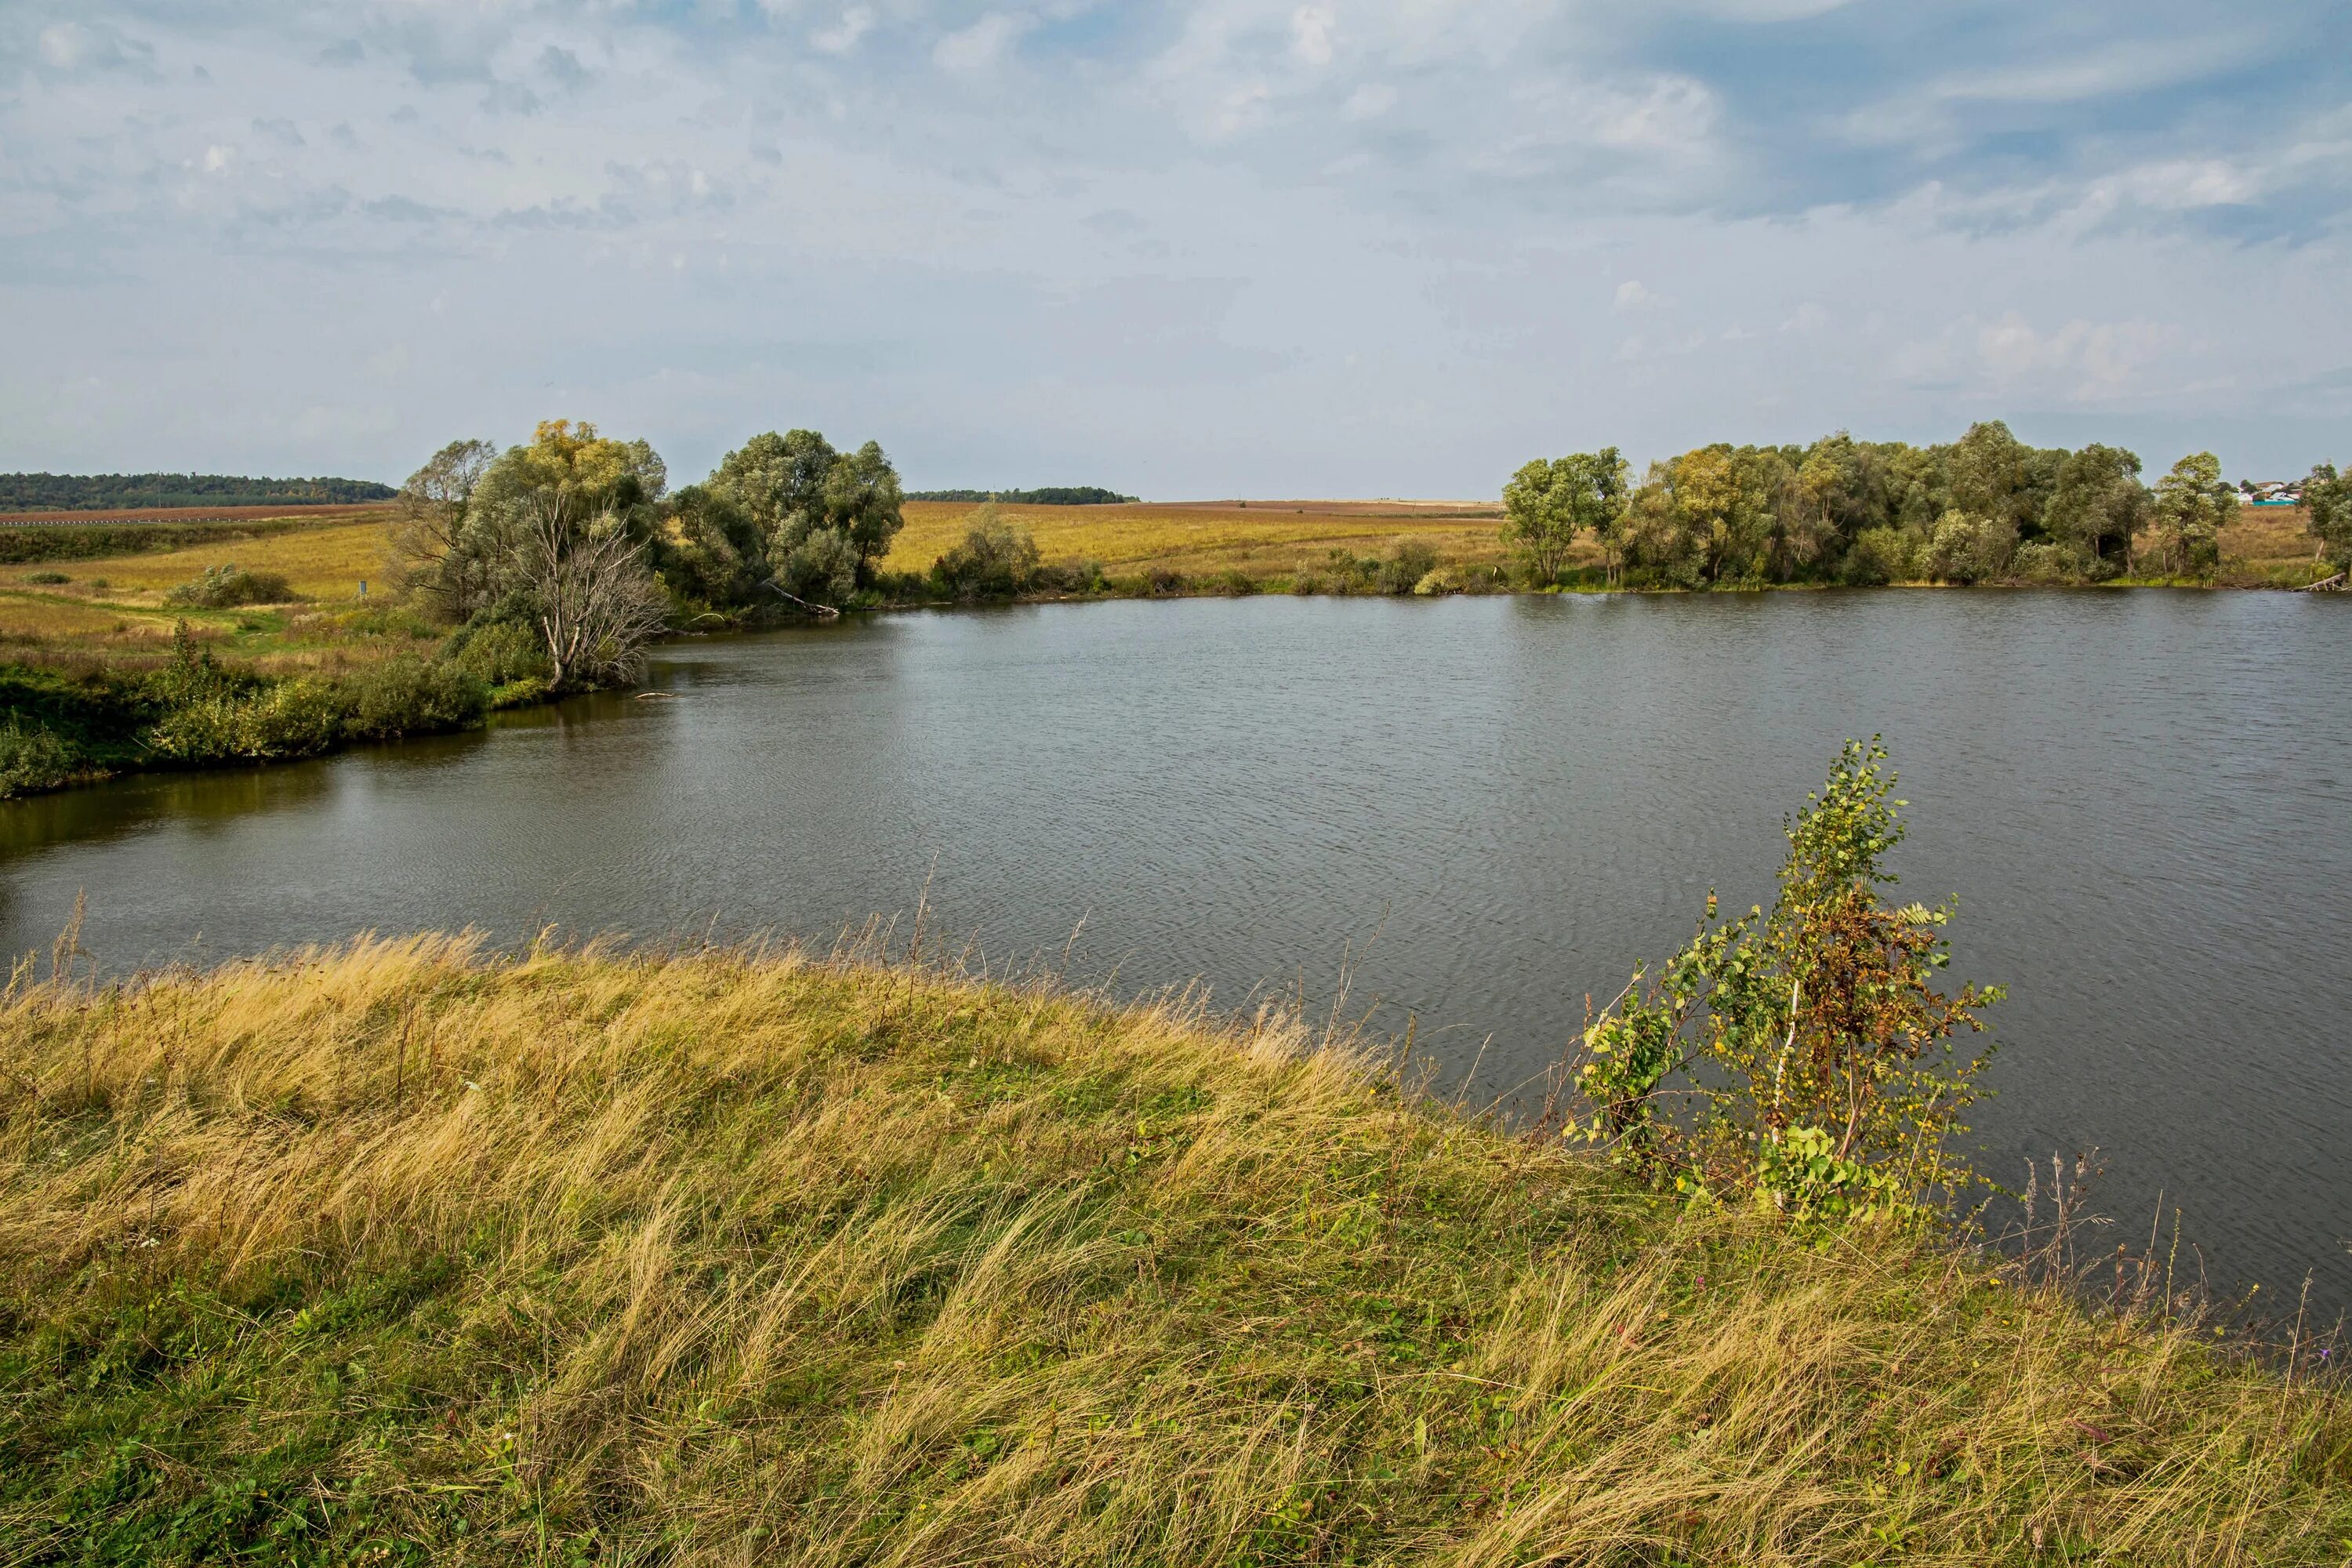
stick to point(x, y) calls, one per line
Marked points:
point(104, 492)
point(1051, 495)
point(1985, 509)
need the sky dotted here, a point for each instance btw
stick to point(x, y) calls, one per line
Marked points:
point(1185, 250)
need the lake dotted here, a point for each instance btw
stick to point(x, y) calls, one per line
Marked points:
point(1480, 811)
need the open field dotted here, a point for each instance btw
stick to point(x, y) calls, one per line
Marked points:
point(1262, 539)
point(398, 1254)
point(2267, 547)
point(325, 563)
point(321, 511)
point(112, 611)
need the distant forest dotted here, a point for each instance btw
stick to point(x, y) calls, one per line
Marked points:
point(125, 492)
point(1051, 495)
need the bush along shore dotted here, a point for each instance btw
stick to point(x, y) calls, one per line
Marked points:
point(405, 1252)
point(549, 568)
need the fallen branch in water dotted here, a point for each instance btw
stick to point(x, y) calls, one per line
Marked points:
point(823, 611)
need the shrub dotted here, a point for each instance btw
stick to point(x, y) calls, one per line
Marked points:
point(1879, 556)
point(48, 579)
point(1965, 548)
point(822, 568)
point(499, 653)
point(995, 559)
point(2043, 561)
point(1409, 561)
point(1071, 578)
point(32, 758)
point(1236, 583)
point(412, 697)
point(300, 717)
point(226, 587)
point(1439, 580)
point(1162, 581)
point(521, 693)
point(1808, 1052)
point(192, 676)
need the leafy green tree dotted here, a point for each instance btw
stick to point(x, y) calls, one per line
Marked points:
point(779, 483)
point(428, 536)
point(1878, 556)
point(2191, 506)
point(1804, 1058)
point(2327, 512)
point(711, 551)
point(1965, 548)
point(1658, 536)
point(824, 516)
point(1918, 486)
point(1540, 520)
point(2098, 500)
point(557, 535)
point(1988, 470)
point(862, 499)
point(1547, 504)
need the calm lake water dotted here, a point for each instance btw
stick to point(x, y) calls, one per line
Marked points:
point(1485, 808)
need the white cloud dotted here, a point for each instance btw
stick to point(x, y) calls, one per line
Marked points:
point(1633, 295)
point(1241, 107)
point(844, 35)
point(74, 45)
point(2183, 184)
point(1369, 101)
point(1937, 110)
point(1673, 113)
point(983, 43)
point(1310, 32)
point(218, 158)
point(2098, 360)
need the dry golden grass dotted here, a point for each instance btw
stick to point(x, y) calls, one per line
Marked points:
point(1264, 539)
point(396, 1253)
point(325, 564)
point(2269, 546)
point(111, 611)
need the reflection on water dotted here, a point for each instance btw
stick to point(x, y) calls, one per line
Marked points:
point(1495, 807)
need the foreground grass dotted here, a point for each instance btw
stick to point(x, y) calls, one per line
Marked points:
point(399, 1254)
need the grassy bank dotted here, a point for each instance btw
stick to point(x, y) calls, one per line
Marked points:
point(400, 1254)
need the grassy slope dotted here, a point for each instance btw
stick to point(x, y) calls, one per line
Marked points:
point(398, 1255)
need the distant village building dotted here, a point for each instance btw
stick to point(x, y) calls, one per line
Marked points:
point(2270, 492)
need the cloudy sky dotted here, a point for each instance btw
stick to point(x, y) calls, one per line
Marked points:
point(1230, 247)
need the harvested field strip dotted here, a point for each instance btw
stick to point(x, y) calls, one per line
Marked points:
point(1196, 536)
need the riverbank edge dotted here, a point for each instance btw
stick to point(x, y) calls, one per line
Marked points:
point(529, 695)
point(401, 1245)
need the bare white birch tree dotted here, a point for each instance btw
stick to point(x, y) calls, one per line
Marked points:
point(599, 606)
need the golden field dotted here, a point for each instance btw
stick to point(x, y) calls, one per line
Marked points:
point(1262, 539)
point(325, 563)
point(110, 610)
